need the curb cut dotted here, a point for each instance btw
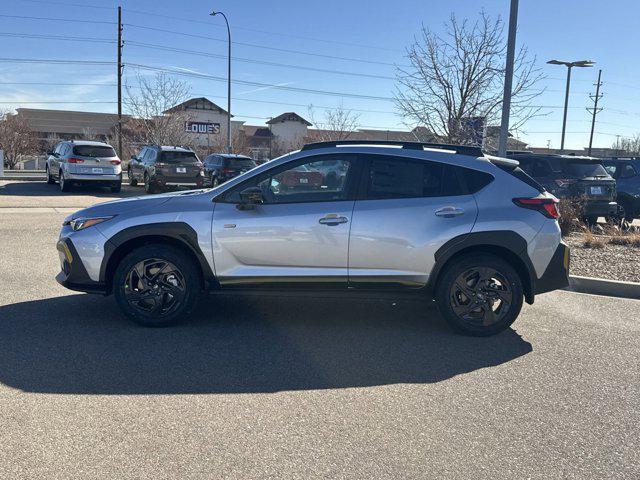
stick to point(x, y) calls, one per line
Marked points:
point(599, 286)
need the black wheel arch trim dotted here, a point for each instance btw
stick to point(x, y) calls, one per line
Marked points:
point(175, 231)
point(502, 239)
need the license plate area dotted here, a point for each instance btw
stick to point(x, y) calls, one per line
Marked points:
point(181, 169)
point(596, 190)
point(304, 180)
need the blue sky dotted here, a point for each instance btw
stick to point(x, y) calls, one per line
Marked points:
point(370, 36)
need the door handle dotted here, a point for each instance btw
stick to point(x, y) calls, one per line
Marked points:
point(449, 212)
point(332, 219)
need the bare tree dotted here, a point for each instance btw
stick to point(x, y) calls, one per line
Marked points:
point(627, 145)
point(458, 76)
point(16, 139)
point(337, 124)
point(153, 106)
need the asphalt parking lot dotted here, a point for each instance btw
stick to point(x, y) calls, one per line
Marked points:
point(261, 387)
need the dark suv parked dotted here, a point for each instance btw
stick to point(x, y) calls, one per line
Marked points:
point(220, 167)
point(161, 168)
point(626, 171)
point(568, 176)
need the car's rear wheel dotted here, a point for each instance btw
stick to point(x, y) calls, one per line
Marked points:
point(50, 179)
point(65, 186)
point(479, 294)
point(132, 180)
point(116, 187)
point(156, 285)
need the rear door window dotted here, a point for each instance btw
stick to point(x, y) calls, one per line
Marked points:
point(583, 169)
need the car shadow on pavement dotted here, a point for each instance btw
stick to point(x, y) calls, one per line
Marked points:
point(40, 189)
point(81, 344)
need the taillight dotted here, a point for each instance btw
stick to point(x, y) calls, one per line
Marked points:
point(160, 165)
point(563, 182)
point(548, 206)
point(75, 160)
point(227, 170)
point(115, 162)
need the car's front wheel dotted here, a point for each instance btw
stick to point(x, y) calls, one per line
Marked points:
point(65, 186)
point(50, 179)
point(156, 285)
point(479, 294)
point(148, 186)
point(132, 180)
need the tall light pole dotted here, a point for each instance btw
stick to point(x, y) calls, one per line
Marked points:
point(213, 14)
point(508, 79)
point(569, 65)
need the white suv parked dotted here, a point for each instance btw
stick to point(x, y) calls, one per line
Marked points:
point(84, 162)
point(471, 230)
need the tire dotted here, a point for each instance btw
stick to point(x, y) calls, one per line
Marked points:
point(132, 180)
point(177, 291)
point(148, 187)
point(65, 186)
point(502, 294)
point(214, 182)
point(50, 179)
point(116, 187)
point(626, 211)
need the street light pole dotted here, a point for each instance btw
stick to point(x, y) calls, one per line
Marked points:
point(569, 65)
point(213, 14)
point(508, 79)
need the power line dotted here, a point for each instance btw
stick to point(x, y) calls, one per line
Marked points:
point(251, 60)
point(261, 85)
point(203, 22)
point(71, 20)
point(56, 61)
point(57, 37)
point(264, 47)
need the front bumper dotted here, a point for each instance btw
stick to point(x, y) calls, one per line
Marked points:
point(601, 209)
point(556, 275)
point(73, 274)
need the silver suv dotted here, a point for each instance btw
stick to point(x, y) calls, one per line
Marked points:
point(84, 162)
point(470, 230)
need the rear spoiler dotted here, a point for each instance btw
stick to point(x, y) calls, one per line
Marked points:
point(503, 162)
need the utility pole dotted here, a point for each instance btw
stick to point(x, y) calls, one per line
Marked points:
point(120, 82)
point(594, 111)
point(508, 79)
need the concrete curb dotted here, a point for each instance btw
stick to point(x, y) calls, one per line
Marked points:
point(24, 178)
point(599, 286)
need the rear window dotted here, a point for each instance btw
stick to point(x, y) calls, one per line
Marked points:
point(178, 157)
point(241, 162)
point(583, 169)
point(94, 151)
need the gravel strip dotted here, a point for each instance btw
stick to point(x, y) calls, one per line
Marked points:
point(613, 262)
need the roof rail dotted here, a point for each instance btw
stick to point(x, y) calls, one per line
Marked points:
point(459, 149)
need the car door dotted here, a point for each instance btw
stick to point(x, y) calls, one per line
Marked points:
point(299, 234)
point(137, 165)
point(405, 211)
point(54, 164)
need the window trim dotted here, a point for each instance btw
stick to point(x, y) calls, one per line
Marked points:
point(351, 187)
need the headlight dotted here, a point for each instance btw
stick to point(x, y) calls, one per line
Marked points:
point(81, 223)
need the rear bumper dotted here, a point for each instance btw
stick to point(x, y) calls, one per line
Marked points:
point(75, 177)
point(73, 274)
point(556, 275)
point(600, 208)
point(178, 181)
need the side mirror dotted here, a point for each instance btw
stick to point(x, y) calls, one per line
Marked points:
point(50, 152)
point(249, 197)
point(133, 157)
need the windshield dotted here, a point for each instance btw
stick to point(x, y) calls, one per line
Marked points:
point(241, 162)
point(583, 169)
point(179, 157)
point(94, 151)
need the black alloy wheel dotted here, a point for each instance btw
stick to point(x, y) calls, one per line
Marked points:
point(155, 287)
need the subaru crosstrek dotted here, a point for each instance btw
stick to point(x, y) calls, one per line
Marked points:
point(470, 230)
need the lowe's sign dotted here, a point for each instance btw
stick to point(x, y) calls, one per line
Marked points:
point(202, 127)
